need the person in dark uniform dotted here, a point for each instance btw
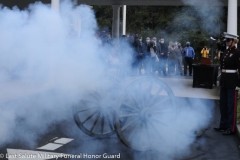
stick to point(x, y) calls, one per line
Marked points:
point(230, 68)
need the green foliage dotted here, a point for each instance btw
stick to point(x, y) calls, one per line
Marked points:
point(194, 24)
point(104, 16)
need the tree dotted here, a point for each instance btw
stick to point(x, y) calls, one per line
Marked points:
point(182, 23)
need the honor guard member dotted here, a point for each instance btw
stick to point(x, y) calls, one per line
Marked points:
point(230, 67)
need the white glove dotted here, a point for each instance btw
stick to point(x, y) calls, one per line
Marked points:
point(237, 88)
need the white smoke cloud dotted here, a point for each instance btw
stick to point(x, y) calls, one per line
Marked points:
point(60, 53)
point(202, 3)
point(43, 48)
point(40, 43)
point(209, 13)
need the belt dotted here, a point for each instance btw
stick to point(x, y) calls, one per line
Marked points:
point(229, 71)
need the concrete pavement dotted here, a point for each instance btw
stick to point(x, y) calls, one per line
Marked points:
point(211, 146)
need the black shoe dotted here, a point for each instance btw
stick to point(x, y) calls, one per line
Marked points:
point(219, 129)
point(227, 133)
point(190, 74)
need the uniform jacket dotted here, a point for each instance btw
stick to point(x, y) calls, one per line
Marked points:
point(230, 60)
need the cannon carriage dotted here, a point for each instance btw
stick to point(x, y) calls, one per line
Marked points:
point(136, 112)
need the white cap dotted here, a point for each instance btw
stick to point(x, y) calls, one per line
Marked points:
point(188, 43)
point(231, 36)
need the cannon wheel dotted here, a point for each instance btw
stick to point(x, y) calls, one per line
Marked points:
point(94, 114)
point(145, 108)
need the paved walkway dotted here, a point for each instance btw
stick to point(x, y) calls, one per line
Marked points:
point(182, 87)
point(211, 146)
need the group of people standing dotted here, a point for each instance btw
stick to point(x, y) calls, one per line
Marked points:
point(155, 56)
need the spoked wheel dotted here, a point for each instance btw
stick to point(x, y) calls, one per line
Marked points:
point(94, 114)
point(146, 107)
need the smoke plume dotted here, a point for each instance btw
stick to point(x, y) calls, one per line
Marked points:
point(50, 60)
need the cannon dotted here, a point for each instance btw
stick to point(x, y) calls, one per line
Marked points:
point(137, 112)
